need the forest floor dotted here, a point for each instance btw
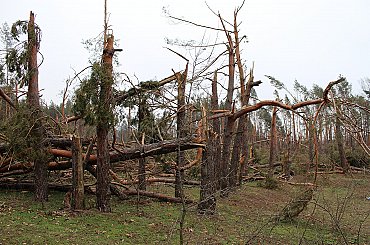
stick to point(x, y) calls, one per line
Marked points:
point(338, 214)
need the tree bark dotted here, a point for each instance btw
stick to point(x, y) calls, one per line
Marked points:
point(229, 127)
point(181, 129)
point(207, 203)
point(77, 175)
point(7, 98)
point(102, 128)
point(141, 170)
point(272, 158)
point(239, 153)
point(33, 84)
point(237, 149)
point(33, 100)
point(215, 149)
point(310, 138)
point(142, 175)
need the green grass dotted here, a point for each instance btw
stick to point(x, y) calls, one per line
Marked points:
point(246, 216)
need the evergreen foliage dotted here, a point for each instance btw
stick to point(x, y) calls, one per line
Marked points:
point(87, 98)
point(17, 131)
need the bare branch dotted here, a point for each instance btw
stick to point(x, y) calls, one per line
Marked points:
point(195, 24)
point(6, 98)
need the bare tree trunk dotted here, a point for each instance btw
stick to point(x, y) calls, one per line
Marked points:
point(33, 100)
point(234, 164)
point(229, 127)
point(311, 133)
point(141, 170)
point(77, 174)
point(102, 128)
point(338, 135)
point(181, 129)
point(142, 176)
point(272, 158)
point(215, 150)
point(294, 130)
point(235, 156)
point(207, 203)
point(225, 159)
point(241, 138)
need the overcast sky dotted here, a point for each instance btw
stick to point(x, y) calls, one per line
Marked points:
point(309, 41)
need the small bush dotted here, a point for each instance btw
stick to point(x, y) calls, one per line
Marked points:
point(269, 183)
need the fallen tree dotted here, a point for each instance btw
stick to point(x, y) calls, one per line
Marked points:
point(124, 154)
point(163, 147)
point(161, 180)
point(30, 186)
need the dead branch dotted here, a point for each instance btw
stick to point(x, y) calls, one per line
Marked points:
point(247, 109)
point(195, 24)
point(6, 98)
point(73, 118)
point(121, 96)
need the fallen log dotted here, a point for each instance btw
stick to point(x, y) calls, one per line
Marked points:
point(57, 142)
point(166, 175)
point(253, 178)
point(161, 197)
point(63, 142)
point(328, 172)
point(162, 147)
point(62, 165)
point(276, 164)
point(297, 183)
point(364, 170)
point(30, 186)
point(15, 172)
point(161, 180)
point(16, 166)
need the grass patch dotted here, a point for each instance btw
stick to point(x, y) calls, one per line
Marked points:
point(246, 216)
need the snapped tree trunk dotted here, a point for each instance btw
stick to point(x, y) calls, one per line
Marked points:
point(141, 170)
point(181, 129)
point(239, 155)
point(207, 203)
point(215, 150)
point(229, 121)
point(244, 97)
point(102, 128)
point(33, 100)
point(77, 174)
